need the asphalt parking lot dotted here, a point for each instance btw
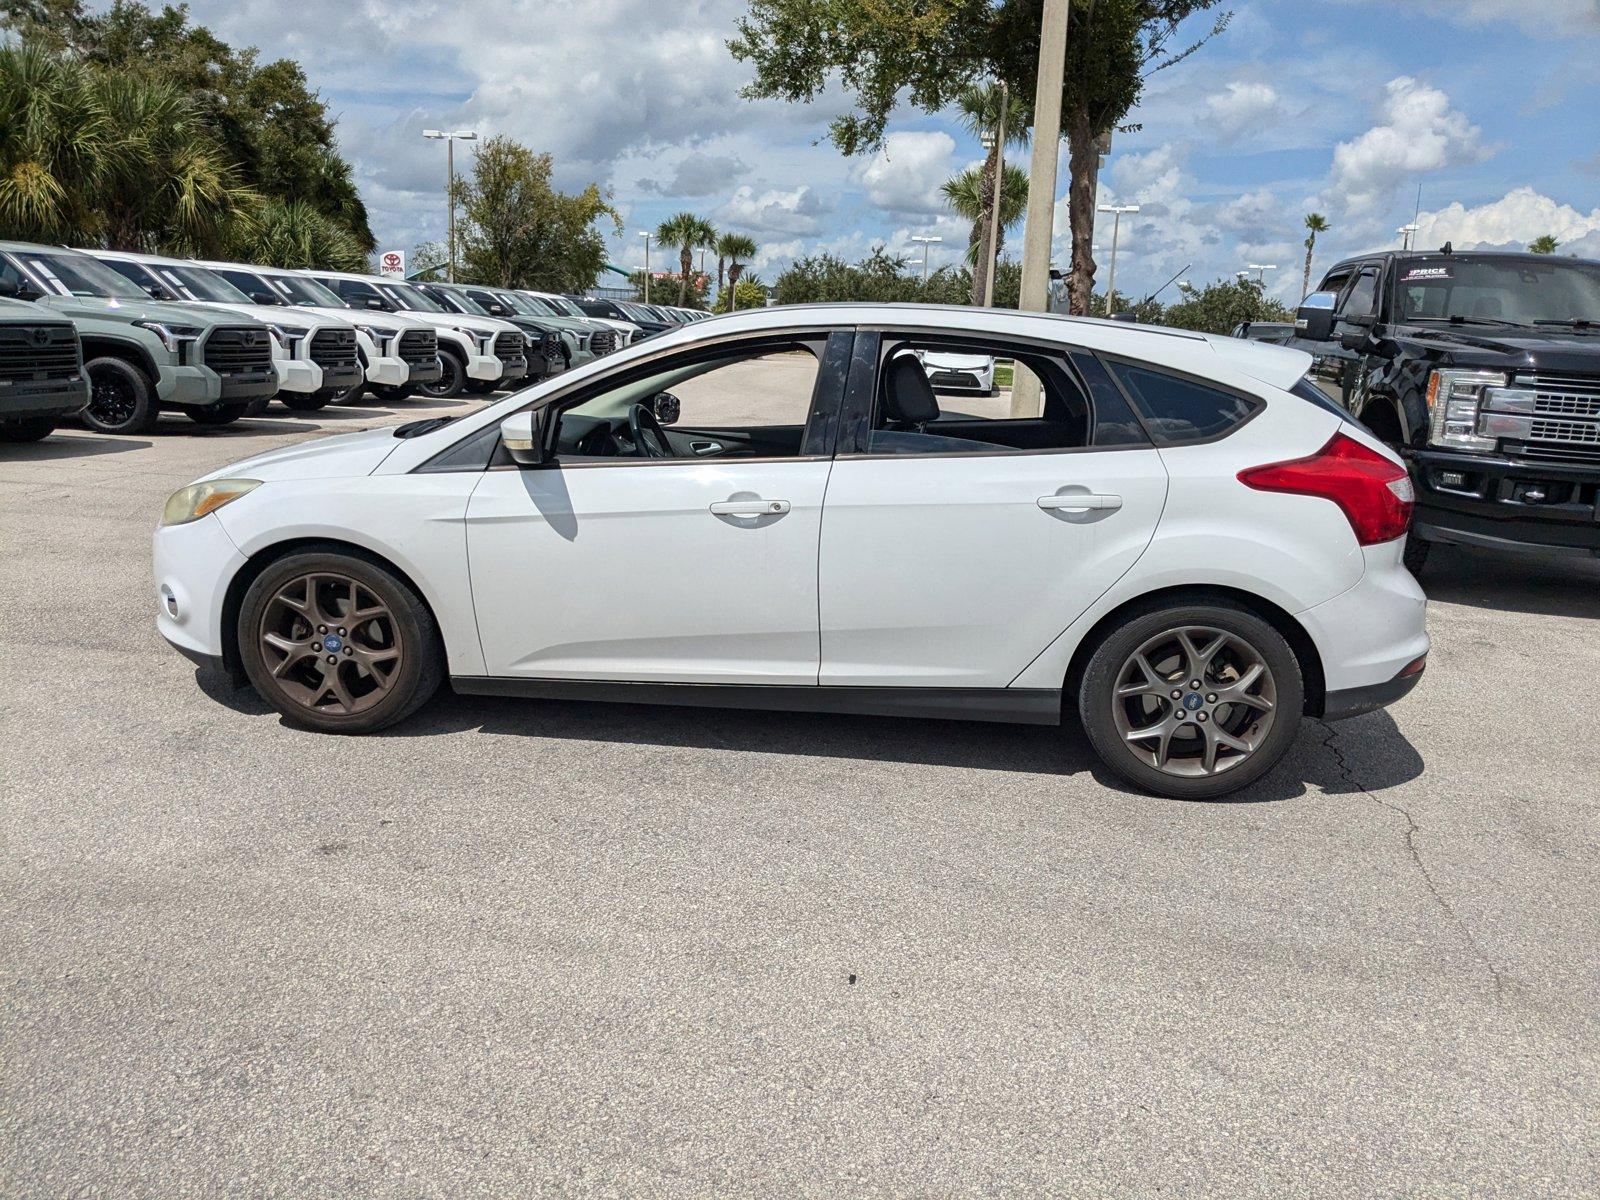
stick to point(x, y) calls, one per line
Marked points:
point(519, 948)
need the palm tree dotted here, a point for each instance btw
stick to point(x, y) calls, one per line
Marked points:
point(1545, 243)
point(724, 241)
point(1315, 223)
point(55, 142)
point(295, 234)
point(978, 108)
point(971, 196)
point(739, 250)
point(688, 232)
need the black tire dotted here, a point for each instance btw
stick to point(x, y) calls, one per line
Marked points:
point(391, 393)
point(351, 394)
point(304, 401)
point(1416, 552)
point(27, 429)
point(480, 387)
point(450, 382)
point(1098, 701)
point(217, 414)
point(121, 399)
point(412, 628)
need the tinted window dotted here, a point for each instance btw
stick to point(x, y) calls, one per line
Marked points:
point(136, 273)
point(1363, 298)
point(1178, 410)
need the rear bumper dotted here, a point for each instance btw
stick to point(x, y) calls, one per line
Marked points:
point(1368, 635)
point(1503, 503)
point(1352, 702)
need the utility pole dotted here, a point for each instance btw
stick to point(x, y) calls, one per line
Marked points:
point(926, 242)
point(992, 250)
point(1116, 228)
point(645, 234)
point(450, 137)
point(1035, 294)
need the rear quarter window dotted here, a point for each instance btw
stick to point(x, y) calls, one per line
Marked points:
point(1177, 410)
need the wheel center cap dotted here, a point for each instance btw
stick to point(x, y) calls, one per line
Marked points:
point(1194, 702)
point(333, 643)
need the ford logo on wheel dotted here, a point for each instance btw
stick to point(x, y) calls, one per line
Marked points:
point(332, 642)
point(1193, 701)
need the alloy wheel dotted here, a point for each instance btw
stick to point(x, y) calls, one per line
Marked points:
point(330, 644)
point(1194, 701)
point(112, 401)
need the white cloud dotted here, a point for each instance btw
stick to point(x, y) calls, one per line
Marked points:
point(1243, 107)
point(904, 176)
point(1419, 132)
point(1540, 18)
point(1515, 219)
point(784, 213)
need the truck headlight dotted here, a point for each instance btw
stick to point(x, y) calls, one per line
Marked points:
point(1455, 401)
point(195, 501)
point(289, 339)
point(173, 337)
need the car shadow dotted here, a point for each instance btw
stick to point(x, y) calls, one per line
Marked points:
point(63, 444)
point(1509, 582)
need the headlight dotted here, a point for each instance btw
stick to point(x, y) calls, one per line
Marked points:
point(287, 338)
point(172, 336)
point(195, 501)
point(378, 336)
point(1455, 401)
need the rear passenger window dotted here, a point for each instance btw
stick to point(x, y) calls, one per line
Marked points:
point(1178, 410)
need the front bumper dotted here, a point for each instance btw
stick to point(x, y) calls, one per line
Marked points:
point(201, 387)
point(388, 372)
point(514, 369)
point(484, 366)
point(1505, 503)
point(47, 398)
point(425, 372)
point(297, 375)
point(193, 565)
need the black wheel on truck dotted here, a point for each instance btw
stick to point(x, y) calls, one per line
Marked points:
point(121, 399)
point(26, 429)
point(217, 414)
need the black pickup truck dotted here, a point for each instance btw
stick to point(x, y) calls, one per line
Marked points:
point(1483, 369)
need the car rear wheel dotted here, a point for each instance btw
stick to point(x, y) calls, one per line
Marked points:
point(1192, 701)
point(27, 429)
point(120, 399)
point(452, 378)
point(338, 644)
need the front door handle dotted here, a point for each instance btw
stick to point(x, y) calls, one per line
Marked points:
point(749, 508)
point(706, 447)
point(1079, 502)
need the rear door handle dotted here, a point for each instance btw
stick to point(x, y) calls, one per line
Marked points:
point(749, 508)
point(1079, 502)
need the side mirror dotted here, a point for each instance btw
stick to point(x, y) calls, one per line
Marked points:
point(377, 304)
point(523, 436)
point(498, 310)
point(1314, 318)
point(268, 298)
point(157, 292)
point(10, 289)
point(668, 408)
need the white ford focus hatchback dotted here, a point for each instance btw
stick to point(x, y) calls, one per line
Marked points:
point(1170, 534)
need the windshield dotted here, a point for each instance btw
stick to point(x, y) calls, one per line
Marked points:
point(307, 293)
point(562, 306)
point(410, 298)
point(636, 312)
point(1514, 291)
point(528, 306)
point(200, 284)
point(465, 303)
point(69, 274)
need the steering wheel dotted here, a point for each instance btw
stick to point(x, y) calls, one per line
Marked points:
point(649, 438)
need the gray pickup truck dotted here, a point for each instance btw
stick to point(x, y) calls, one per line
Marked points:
point(42, 380)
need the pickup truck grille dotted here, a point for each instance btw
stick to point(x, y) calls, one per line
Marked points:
point(603, 342)
point(510, 345)
point(550, 345)
point(419, 346)
point(38, 352)
point(1565, 422)
point(231, 350)
point(334, 348)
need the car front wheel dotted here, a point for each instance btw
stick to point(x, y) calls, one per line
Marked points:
point(1192, 701)
point(337, 643)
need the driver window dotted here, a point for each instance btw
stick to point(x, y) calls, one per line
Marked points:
point(1363, 298)
point(748, 405)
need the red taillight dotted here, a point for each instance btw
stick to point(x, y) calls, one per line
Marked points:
point(1374, 492)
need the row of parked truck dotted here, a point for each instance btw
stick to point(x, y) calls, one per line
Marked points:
point(115, 338)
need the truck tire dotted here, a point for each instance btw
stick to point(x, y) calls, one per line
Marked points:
point(448, 386)
point(304, 401)
point(121, 399)
point(1416, 553)
point(217, 414)
point(26, 429)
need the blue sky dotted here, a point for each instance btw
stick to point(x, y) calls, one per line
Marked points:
point(1342, 106)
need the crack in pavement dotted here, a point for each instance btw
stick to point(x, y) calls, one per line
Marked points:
point(1412, 829)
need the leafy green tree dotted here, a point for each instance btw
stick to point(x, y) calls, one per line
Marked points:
point(297, 235)
point(925, 52)
point(880, 277)
point(56, 146)
point(971, 196)
point(748, 292)
point(267, 123)
point(1224, 305)
point(738, 249)
point(516, 230)
point(688, 232)
point(428, 260)
point(1315, 223)
point(1545, 243)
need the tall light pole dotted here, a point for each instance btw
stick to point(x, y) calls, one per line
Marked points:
point(992, 250)
point(645, 234)
point(1034, 295)
point(1116, 228)
point(1406, 232)
point(450, 137)
point(926, 242)
point(1261, 270)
